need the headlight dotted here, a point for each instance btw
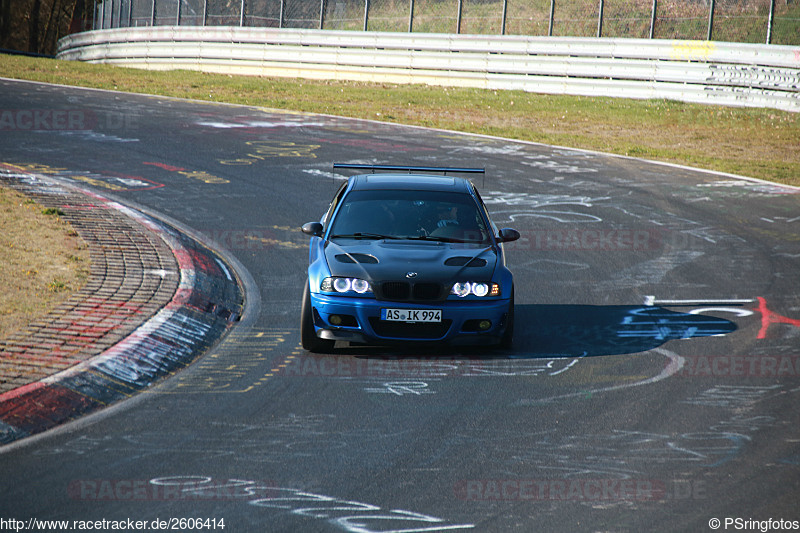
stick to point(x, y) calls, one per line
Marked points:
point(359, 285)
point(479, 289)
point(343, 285)
point(461, 289)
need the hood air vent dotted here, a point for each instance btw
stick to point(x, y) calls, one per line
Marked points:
point(365, 259)
point(465, 261)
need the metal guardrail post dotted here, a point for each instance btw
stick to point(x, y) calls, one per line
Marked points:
point(178, 15)
point(410, 16)
point(552, 15)
point(321, 13)
point(153, 14)
point(366, 14)
point(710, 20)
point(241, 13)
point(281, 14)
point(458, 16)
point(205, 12)
point(503, 21)
point(130, 14)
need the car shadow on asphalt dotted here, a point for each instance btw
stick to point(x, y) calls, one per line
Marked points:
point(592, 330)
point(547, 331)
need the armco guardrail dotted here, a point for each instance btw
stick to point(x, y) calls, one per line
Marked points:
point(691, 71)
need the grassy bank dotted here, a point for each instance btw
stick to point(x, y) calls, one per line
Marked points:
point(43, 261)
point(761, 143)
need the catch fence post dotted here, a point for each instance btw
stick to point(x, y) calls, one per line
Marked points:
point(770, 20)
point(653, 19)
point(710, 20)
point(600, 20)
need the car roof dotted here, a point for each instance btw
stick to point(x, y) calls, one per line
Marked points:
point(410, 182)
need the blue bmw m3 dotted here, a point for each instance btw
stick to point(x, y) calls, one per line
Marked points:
point(407, 255)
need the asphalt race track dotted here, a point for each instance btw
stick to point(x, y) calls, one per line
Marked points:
point(654, 382)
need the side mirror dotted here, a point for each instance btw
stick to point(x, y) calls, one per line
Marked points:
point(312, 228)
point(508, 235)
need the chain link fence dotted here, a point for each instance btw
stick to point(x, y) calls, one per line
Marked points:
point(744, 21)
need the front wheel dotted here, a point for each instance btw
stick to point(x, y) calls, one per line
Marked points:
point(308, 335)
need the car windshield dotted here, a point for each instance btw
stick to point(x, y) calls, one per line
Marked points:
point(423, 215)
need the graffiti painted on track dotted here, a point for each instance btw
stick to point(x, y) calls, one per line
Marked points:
point(259, 151)
point(349, 515)
point(109, 181)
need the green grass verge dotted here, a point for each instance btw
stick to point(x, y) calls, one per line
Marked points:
point(43, 261)
point(761, 143)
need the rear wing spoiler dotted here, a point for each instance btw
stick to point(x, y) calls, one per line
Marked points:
point(401, 168)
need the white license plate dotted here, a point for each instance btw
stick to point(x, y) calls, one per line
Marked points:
point(411, 315)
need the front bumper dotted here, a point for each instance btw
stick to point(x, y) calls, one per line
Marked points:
point(360, 321)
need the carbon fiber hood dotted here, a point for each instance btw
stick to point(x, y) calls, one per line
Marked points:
point(433, 262)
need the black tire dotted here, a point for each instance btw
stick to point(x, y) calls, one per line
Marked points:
point(507, 342)
point(308, 336)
